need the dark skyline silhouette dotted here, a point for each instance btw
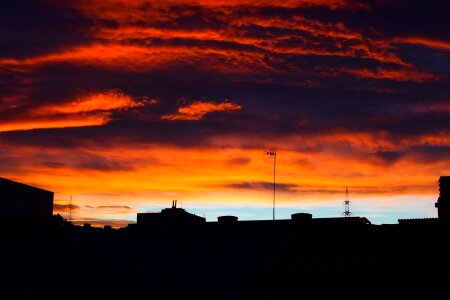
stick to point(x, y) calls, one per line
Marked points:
point(174, 254)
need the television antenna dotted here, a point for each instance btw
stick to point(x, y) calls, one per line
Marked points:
point(272, 152)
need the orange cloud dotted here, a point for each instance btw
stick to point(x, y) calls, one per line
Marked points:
point(61, 121)
point(198, 109)
point(103, 101)
point(209, 168)
point(88, 110)
point(148, 58)
point(227, 50)
point(335, 34)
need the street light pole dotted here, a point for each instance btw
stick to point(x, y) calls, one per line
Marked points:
point(273, 153)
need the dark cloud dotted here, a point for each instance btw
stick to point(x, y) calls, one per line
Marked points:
point(65, 207)
point(103, 164)
point(393, 125)
point(78, 159)
point(263, 185)
point(10, 162)
point(430, 153)
point(53, 164)
point(32, 27)
point(191, 18)
point(109, 207)
point(239, 160)
point(388, 157)
point(391, 18)
point(322, 191)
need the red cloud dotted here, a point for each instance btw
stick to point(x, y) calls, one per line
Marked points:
point(232, 49)
point(198, 109)
point(442, 45)
point(103, 101)
point(404, 74)
point(87, 110)
point(61, 121)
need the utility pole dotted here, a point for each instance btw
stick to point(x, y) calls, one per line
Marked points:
point(273, 153)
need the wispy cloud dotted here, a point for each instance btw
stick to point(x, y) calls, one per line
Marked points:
point(198, 109)
point(89, 109)
point(262, 185)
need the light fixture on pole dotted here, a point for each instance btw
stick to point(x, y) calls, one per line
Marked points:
point(273, 153)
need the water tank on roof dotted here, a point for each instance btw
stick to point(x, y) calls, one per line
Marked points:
point(227, 219)
point(301, 217)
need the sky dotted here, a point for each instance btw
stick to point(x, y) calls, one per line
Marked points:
point(126, 105)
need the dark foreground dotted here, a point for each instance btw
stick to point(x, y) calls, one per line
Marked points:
point(248, 260)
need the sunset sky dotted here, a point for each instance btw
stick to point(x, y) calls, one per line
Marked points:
point(129, 104)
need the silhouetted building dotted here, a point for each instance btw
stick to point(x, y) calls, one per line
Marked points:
point(179, 217)
point(342, 221)
point(443, 206)
point(443, 203)
point(19, 201)
point(297, 258)
point(419, 222)
point(169, 216)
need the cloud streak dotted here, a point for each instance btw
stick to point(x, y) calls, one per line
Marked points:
point(198, 109)
point(91, 109)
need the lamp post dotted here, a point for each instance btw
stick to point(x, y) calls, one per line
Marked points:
point(273, 153)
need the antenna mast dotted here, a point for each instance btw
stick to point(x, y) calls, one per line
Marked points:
point(273, 153)
point(347, 212)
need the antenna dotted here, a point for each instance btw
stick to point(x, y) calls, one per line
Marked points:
point(347, 212)
point(272, 152)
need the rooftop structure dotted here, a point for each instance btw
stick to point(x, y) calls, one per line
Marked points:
point(169, 216)
point(443, 203)
point(21, 200)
